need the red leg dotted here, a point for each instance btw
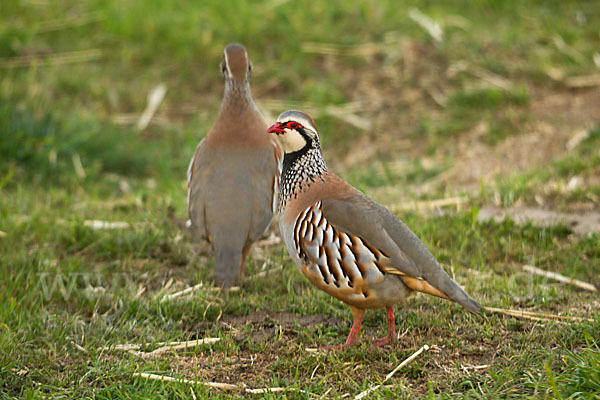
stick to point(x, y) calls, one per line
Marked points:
point(391, 327)
point(245, 252)
point(358, 317)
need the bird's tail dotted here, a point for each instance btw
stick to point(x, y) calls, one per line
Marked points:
point(228, 265)
point(450, 288)
point(452, 291)
point(422, 286)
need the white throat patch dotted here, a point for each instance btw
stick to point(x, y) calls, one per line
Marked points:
point(291, 141)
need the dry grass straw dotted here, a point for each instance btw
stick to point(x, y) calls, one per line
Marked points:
point(68, 22)
point(430, 204)
point(262, 274)
point(200, 286)
point(481, 73)
point(568, 50)
point(391, 374)
point(98, 224)
point(430, 26)
point(79, 170)
point(364, 49)
point(576, 139)
point(561, 278)
point(535, 316)
point(164, 346)
point(155, 98)
point(166, 378)
point(133, 118)
point(272, 240)
point(583, 81)
point(216, 385)
point(68, 57)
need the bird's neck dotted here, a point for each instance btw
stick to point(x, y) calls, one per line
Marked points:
point(237, 96)
point(300, 169)
point(238, 117)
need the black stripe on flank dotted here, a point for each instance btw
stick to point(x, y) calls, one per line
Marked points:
point(362, 269)
point(354, 248)
point(380, 267)
point(342, 265)
point(321, 218)
point(332, 270)
point(323, 273)
point(372, 249)
point(336, 233)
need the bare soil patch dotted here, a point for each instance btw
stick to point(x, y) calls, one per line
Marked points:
point(582, 223)
point(555, 118)
point(286, 320)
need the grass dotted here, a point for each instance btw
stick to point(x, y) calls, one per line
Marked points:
point(65, 158)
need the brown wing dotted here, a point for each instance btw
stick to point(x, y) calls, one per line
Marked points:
point(195, 203)
point(408, 256)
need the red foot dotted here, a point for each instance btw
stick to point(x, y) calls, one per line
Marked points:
point(335, 348)
point(391, 328)
point(358, 317)
point(383, 341)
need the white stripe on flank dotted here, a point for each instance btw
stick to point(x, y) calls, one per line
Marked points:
point(314, 239)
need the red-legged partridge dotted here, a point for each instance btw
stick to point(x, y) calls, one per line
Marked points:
point(345, 243)
point(234, 173)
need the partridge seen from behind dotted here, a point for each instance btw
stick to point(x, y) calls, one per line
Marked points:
point(233, 176)
point(345, 243)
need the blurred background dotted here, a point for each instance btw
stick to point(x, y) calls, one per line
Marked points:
point(420, 96)
point(449, 113)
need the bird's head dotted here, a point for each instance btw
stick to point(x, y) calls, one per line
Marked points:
point(296, 131)
point(236, 66)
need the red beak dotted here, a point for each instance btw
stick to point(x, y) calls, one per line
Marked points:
point(275, 128)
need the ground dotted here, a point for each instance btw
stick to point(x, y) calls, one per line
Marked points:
point(477, 123)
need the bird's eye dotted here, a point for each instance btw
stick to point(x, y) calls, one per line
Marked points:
point(250, 67)
point(293, 125)
point(223, 67)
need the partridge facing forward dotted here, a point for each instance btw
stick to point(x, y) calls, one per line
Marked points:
point(345, 243)
point(233, 175)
